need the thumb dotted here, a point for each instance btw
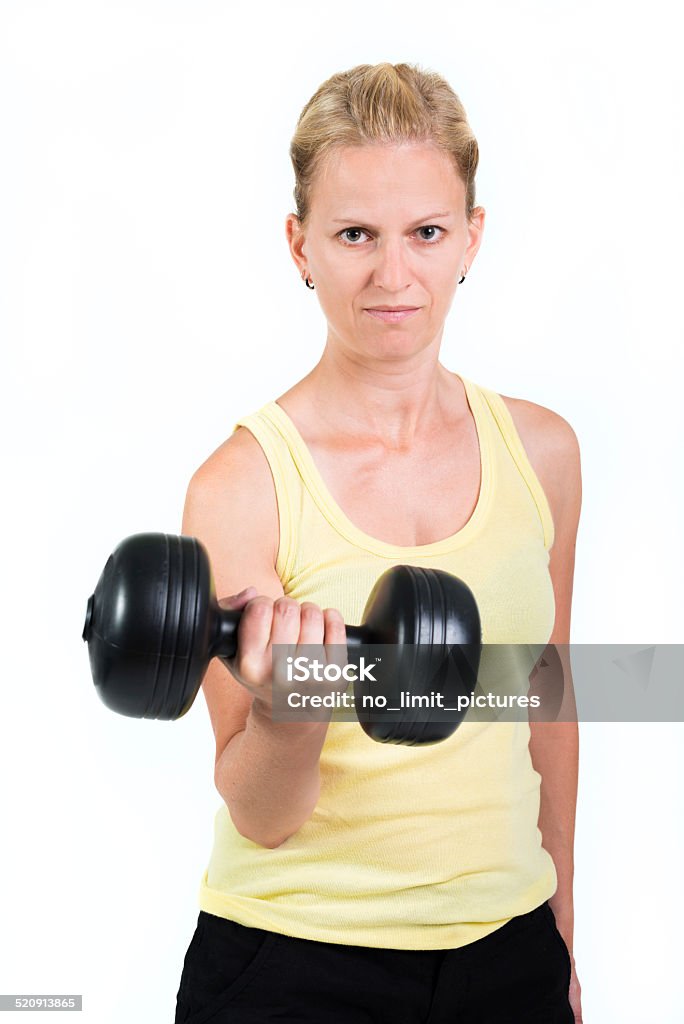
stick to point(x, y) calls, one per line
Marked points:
point(236, 601)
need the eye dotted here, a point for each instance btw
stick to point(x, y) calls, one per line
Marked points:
point(433, 227)
point(360, 231)
point(350, 231)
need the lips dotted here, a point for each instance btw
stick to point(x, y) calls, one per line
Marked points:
point(392, 316)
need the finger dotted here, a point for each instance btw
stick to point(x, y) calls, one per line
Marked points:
point(312, 627)
point(310, 643)
point(335, 637)
point(254, 631)
point(283, 639)
point(286, 618)
point(237, 601)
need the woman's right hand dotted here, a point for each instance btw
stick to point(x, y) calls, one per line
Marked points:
point(265, 622)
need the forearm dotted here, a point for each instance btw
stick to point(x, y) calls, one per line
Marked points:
point(554, 747)
point(269, 776)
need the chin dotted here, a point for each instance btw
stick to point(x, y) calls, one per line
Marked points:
point(393, 348)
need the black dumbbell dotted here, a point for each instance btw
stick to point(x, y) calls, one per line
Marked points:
point(154, 623)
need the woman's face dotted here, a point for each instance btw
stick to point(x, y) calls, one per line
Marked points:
point(387, 227)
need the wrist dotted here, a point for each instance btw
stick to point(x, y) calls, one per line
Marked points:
point(564, 914)
point(261, 712)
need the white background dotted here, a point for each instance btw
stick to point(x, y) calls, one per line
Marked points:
point(148, 299)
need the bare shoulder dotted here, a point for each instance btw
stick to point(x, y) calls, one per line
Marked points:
point(553, 449)
point(232, 494)
point(239, 452)
point(548, 438)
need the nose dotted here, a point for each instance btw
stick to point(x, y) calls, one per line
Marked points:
point(392, 270)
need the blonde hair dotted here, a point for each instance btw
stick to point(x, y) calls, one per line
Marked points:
point(381, 103)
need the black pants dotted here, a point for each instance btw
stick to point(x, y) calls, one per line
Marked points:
point(236, 975)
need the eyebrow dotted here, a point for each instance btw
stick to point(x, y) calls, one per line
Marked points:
point(359, 221)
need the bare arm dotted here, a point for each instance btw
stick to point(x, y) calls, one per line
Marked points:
point(554, 746)
point(269, 778)
point(553, 450)
point(266, 772)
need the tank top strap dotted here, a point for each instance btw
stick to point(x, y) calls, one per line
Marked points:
point(509, 436)
point(265, 427)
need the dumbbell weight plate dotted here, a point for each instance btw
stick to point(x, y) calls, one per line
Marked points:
point(426, 620)
point(149, 627)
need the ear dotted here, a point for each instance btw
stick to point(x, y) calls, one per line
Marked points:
point(475, 230)
point(296, 239)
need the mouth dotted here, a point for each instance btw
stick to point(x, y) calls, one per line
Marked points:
point(393, 316)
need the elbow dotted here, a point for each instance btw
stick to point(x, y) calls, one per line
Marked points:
point(269, 839)
point(268, 842)
point(249, 829)
point(272, 844)
point(262, 826)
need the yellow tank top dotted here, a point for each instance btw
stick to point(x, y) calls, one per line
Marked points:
point(408, 847)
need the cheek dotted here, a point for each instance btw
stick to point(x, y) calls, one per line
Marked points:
point(343, 280)
point(345, 286)
point(448, 284)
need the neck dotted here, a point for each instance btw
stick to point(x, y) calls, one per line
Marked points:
point(393, 401)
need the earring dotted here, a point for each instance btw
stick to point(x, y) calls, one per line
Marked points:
point(465, 271)
point(305, 279)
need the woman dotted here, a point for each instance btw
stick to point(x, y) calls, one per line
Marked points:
point(352, 880)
